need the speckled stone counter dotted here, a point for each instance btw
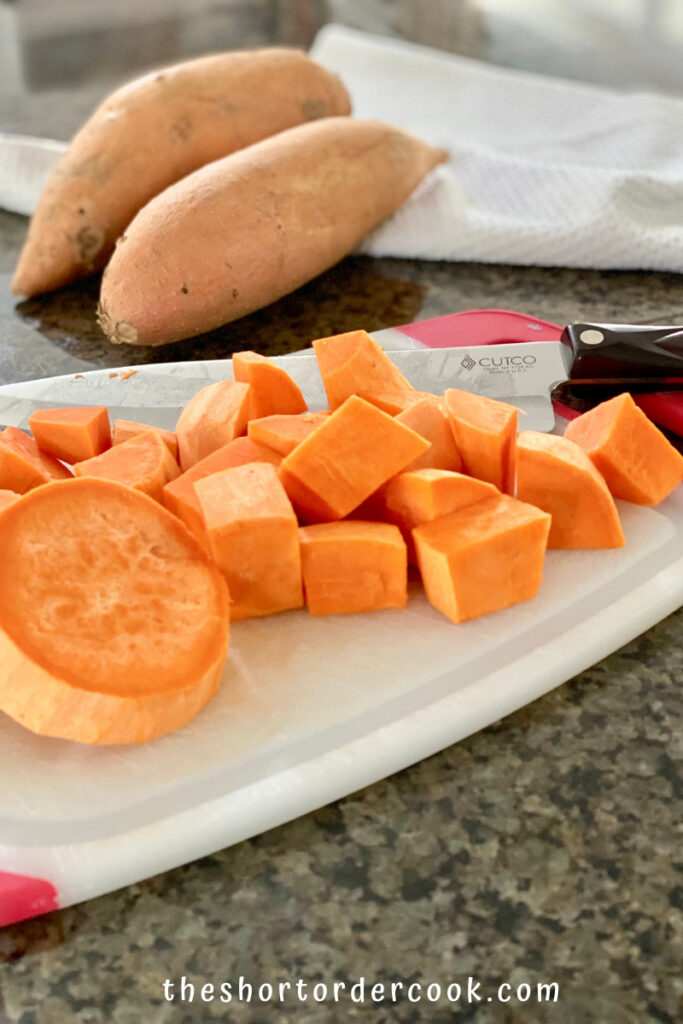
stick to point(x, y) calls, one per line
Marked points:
point(542, 849)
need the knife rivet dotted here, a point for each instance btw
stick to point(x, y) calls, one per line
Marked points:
point(591, 337)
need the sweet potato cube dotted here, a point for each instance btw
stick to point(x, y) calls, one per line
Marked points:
point(143, 463)
point(179, 495)
point(22, 464)
point(284, 433)
point(353, 364)
point(557, 476)
point(253, 538)
point(72, 434)
point(422, 495)
point(217, 414)
point(272, 390)
point(123, 430)
point(353, 566)
point(633, 455)
point(484, 431)
point(427, 417)
point(8, 498)
point(483, 558)
point(394, 402)
point(350, 455)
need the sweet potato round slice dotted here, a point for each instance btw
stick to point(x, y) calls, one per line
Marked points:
point(113, 622)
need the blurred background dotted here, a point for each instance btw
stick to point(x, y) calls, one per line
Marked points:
point(48, 45)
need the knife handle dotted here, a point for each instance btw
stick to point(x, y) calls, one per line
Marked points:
point(625, 356)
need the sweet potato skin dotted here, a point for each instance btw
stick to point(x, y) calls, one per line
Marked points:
point(243, 231)
point(152, 132)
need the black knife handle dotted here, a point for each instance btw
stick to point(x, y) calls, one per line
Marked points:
point(646, 358)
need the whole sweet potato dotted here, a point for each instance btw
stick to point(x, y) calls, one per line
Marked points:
point(247, 229)
point(153, 132)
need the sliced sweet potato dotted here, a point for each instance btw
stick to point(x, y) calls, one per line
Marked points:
point(72, 434)
point(217, 414)
point(284, 433)
point(557, 476)
point(353, 364)
point(23, 465)
point(123, 430)
point(8, 498)
point(143, 463)
point(352, 453)
point(427, 418)
point(179, 495)
point(353, 566)
point(393, 402)
point(484, 432)
point(112, 618)
point(483, 558)
point(272, 390)
point(633, 455)
point(253, 538)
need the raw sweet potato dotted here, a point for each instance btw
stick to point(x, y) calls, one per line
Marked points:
point(8, 498)
point(393, 402)
point(113, 621)
point(284, 433)
point(271, 389)
point(557, 476)
point(353, 364)
point(123, 430)
point(353, 566)
point(143, 463)
point(483, 558)
point(427, 418)
point(217, 414)
point(23, 465)
point(151, 133)
point(633, 455)
point(179, 495)
point(253, 538)
point(484, 432)
point(72, 434)
point(243, 231)
point(352, 453)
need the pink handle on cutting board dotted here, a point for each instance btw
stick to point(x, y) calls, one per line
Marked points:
point(505, 326)
point(22, 897)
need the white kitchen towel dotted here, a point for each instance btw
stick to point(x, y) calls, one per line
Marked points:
point(541, 170)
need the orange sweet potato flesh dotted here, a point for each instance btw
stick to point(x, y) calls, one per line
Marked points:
point(243, 231)
point(7, 498)
point(635, 458)
point(284, 433)
point(353, 566)
point(483, 558)
point(422, 495)
point(217, 414)
point(123, 430)
point(427, 417)
point(272, 390)
point(143, 463)
point(393, 402)
point(557, 476)
point(23, 466)
point(72, 434)
point(253, 538)
point(348, 457)
point(352, 364)
point(484, 432)
point(111, 616)
point(154, 131)
point(179, 495)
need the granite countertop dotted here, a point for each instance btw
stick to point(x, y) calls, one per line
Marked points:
point(544, 848)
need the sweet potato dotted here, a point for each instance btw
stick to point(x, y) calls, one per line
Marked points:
point(557, 476)
point(113, 621)
point(484, 431)
point(253, 538)
point(427, 418)
point(633, 455)
point(483, 558)
point(151, 133)
point(353, 364)
point(284, 433)
point(8, 498)
point(243, 231)
point(216, 415)
point(143, 463)
point(123, 430)
point(394, 402)
point(72, 434)
point(352, 453)
point(23, 465)
point(353, 566)
point(271, 389)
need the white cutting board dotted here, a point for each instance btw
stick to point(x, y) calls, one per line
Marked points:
point(310, 709)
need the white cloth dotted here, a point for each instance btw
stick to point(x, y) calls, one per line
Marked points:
point(541, 170)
